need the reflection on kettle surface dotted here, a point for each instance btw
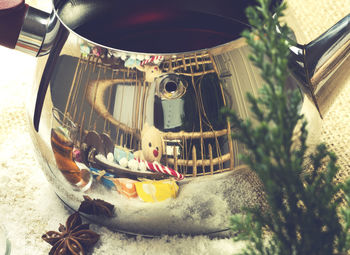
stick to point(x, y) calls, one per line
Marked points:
point(145, 134)
point(62, 137)
point(182, 105)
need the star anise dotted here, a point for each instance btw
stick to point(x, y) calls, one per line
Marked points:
point(96, 207)
point(73, 239)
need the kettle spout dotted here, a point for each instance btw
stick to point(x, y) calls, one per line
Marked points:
point(314, 63)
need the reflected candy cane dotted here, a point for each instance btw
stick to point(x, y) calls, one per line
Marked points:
point(153, 60)
point(157, 167)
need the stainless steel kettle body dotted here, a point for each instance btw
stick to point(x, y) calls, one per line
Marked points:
point(140, 129)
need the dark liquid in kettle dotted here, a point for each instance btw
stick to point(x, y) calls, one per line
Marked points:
point(165, 31)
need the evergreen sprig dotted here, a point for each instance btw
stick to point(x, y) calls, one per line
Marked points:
point(304, 214)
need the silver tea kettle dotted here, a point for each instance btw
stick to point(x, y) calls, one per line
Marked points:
point(125, 107)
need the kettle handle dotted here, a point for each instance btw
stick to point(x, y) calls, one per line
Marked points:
point(12, 15)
